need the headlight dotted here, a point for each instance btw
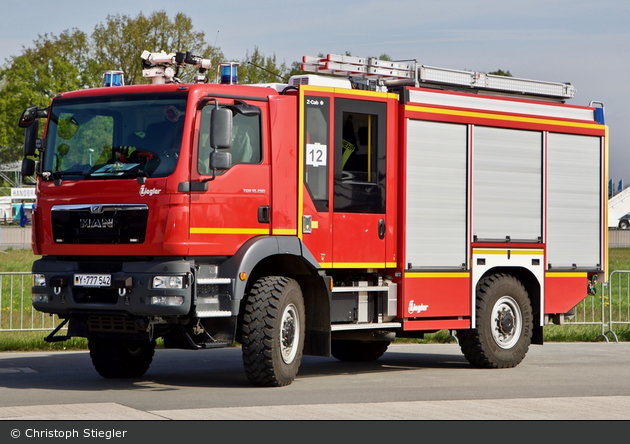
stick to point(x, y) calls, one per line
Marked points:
point(166, 282)
point(39, 280)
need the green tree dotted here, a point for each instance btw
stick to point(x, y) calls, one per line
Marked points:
point(75, 60)
point(258, 68)
point(120, 41)
point(54, 64)
point(500, 72)
point(296, 70)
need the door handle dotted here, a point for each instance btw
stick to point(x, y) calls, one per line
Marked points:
point(381, 228)
point(263, 214)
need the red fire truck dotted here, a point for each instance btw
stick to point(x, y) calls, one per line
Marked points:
point(363, 201)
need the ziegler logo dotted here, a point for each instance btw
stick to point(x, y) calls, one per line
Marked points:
point(96, 223)
point(413, 308)
point(149, 191)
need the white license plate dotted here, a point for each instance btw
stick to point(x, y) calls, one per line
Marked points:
point(92, 280)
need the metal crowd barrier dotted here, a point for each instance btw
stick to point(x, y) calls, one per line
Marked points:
point(608, 308)
point(16, 311)
point(618, 302)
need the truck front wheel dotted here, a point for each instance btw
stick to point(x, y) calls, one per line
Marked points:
point(119, 358)
point(273, 331)
point(504, 324)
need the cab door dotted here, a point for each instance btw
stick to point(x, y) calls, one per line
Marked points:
point(235, 206)
point(362, 230)
point(315, 173)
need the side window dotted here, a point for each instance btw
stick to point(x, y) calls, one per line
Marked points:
point(203, 147)
point(360, 164)
point(316, 137)
point(246, 141)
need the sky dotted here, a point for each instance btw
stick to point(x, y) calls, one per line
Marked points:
point(584, 42)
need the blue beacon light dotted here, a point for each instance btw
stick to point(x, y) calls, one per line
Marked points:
point(113, 78)
point(229, 74)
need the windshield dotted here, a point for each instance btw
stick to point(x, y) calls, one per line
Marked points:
point(117, 136)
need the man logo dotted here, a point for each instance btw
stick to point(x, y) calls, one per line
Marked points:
point(96, 223)
point(96, 209)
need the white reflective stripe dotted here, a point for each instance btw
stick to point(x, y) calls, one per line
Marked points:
point(214, 314)
point(351, 289)
point(366, 326)
point(500, 105)
point(210, 281)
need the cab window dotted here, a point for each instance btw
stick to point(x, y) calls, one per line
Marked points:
point(246, 141)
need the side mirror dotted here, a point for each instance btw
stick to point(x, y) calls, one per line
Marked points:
point(220, 160)
point(221, 128)
point(30, 138)
point(28, 117)
point(28, 168)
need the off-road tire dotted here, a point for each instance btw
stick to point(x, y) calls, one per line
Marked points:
point(273, 329)
point(358, 351)
point(119, 358)
point(504, 324)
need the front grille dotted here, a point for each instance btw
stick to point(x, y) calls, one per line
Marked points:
point(100, 224)
point(114, 324)
point(100, 266)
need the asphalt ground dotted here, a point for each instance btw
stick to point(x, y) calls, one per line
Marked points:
point(411, 382)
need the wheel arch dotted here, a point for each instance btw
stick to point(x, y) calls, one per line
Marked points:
point(532, 286)
point(287, 256)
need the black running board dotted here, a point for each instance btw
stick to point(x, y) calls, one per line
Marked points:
point(52, 338)
point(203, 345)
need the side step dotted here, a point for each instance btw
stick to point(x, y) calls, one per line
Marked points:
point(52, 338)
point(203, 345)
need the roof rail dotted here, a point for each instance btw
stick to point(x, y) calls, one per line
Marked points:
point(410, 73)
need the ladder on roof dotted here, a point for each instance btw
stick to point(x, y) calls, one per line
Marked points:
point(392, 73)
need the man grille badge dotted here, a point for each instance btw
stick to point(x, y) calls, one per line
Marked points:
point(96, 209)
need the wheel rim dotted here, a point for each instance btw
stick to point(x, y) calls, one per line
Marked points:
point(290, 334)
point(507, 322)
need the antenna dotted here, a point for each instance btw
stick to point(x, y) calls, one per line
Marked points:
point(265, 69)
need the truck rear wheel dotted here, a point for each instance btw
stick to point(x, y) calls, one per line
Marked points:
point(358, 351)
point(504, 324)
point(273, 332)
point(119, 358)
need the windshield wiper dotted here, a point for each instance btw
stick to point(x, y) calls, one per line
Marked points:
point(59, 175)
point(62, 174)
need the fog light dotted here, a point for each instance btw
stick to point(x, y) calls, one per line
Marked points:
point(168, 282)
point(41, 298)
point(39, 280)
point(167, 300)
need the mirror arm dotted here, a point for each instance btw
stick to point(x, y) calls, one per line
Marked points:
point(214, 173)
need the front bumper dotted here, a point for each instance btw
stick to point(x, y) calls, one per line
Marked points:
point(130, 292)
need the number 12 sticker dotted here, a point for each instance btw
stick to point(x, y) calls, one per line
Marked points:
point(316, 154)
